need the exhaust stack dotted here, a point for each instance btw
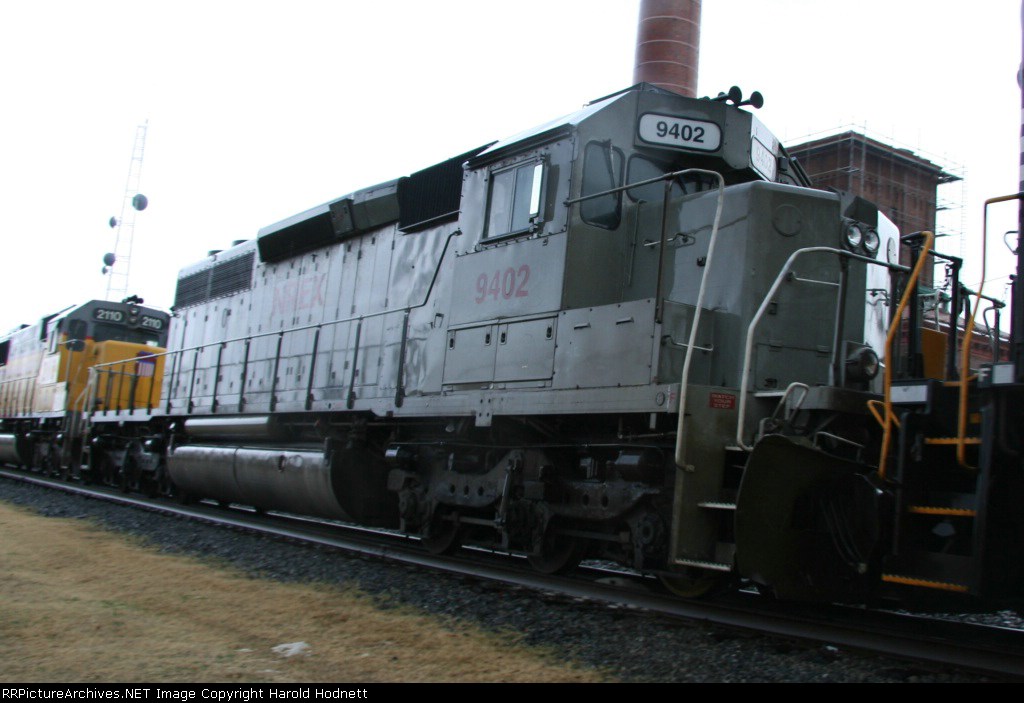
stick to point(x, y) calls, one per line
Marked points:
point(668, 45)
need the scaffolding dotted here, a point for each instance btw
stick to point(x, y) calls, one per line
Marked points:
point(907, 184)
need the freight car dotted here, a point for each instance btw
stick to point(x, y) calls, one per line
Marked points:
point(632, 333)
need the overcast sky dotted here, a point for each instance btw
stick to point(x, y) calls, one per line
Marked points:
point(258, 110)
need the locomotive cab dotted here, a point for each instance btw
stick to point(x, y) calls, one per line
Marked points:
point(100, 333)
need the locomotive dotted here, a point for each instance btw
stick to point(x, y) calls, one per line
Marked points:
point(45, 371)
point(633, 333)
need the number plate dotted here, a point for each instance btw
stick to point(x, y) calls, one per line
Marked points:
point(107, 315)
point(763, 160)
point(151, 323)
point(680, 132)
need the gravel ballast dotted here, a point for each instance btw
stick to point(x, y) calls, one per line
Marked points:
point(629, 645)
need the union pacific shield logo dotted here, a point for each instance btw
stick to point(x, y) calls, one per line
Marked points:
point(145, 365)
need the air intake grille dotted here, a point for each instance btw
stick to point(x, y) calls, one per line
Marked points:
point(231, 276)
point(192, 289)
point(432, 195)
point(223, 278)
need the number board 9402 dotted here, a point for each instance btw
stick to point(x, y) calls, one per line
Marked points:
point(680, 132)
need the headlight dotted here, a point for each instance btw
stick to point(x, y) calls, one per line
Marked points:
point(871, 241)
point(862, 364)
point(854, 236)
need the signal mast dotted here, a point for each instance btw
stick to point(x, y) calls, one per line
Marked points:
point(117, 263)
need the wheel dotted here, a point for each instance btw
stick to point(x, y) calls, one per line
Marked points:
point(103, 472)
point(162, 483)
point(558, 553)
point(443, 536)
point(692, 583)
point(125, 475)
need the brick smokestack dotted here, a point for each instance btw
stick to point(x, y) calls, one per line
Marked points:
point(668, 45)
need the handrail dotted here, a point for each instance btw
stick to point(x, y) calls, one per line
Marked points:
point(965, 353)
point(663, 239)
point(684, 377)
point(108, 367)
point(897, 319)
point(680, 453)
point(748, 350)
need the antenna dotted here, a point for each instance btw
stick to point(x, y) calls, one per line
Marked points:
point(117, 263)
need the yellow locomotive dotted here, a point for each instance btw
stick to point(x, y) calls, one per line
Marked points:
point(45, 370)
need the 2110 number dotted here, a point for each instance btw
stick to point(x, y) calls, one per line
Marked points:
point(507, 284)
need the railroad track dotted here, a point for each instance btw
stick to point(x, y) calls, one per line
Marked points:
point(928, 641)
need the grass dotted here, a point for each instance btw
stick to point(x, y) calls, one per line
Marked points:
point(81, 604)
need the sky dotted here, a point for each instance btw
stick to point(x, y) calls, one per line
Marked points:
point(258, 110)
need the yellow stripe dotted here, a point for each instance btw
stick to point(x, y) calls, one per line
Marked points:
point(939, 585)
point(927, 510)
point(951, 440)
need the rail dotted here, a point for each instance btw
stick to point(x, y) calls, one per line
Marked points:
point(995, 651)
point(106, 373)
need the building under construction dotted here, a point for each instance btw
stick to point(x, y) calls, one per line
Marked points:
point(903, 184)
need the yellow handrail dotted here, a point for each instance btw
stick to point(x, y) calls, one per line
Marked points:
point(890, 416)
point(965, 354)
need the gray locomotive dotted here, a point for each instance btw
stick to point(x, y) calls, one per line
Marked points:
point(633, 333)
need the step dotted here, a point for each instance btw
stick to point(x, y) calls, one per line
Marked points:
point(940, 510)
point(936, 570)
point(701, 564)
point(716, 505)
point(925, 583)
point(951, 440)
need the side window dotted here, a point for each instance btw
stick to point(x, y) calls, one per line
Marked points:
point(77, 330)
point(5, 350)
point(515, 199)
point(641, 169)
point(602, 170)
point(54, 338)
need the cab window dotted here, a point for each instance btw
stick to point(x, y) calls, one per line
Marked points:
point(602, 170)
point(514, 202)
point(77, 330)
point(54, 338)
point(641, 169)
point(104, 332)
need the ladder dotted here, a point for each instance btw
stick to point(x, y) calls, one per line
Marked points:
point(938, 533)
point(938, 437)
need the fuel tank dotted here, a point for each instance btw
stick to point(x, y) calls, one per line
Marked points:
point(9, 449)
point(334, 482)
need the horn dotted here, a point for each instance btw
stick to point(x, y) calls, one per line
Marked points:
point(756, 101)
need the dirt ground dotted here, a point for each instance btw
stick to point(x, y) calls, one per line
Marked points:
point(78, 604)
